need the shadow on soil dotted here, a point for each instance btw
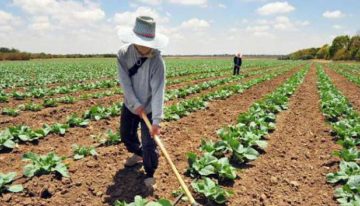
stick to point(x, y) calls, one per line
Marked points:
point(127, 183)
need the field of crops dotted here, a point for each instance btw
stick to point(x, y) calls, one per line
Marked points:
point(280, 133)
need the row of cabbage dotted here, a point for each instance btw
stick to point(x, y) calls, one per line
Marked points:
point(348, 72)
point(345, 122)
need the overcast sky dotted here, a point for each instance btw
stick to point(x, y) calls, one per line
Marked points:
point(193, 26)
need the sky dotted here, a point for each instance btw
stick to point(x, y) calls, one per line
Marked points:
point(193, 26)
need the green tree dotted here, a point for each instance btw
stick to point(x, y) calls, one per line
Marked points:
point(357, 56)
point(323, 52)
point(354, 46)
point(340, 42)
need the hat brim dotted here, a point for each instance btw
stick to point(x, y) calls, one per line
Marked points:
point(160, 41)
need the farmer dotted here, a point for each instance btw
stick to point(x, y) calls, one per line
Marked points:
point(142, 77)
point(237, 63)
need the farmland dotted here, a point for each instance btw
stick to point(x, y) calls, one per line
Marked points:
point(280, 133)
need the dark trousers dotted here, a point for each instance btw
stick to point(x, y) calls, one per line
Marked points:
point(129, 124)
point(236, 70)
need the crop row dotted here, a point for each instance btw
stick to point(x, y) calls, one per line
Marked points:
point(239, 143)
point(345, 123)
point(349, 75)
point(353, 68)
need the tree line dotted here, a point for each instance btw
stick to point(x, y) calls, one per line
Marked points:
point(14, 54)
point(342, 48)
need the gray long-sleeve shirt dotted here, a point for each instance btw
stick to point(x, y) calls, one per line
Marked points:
point(145, 88)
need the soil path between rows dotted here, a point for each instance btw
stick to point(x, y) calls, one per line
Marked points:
point(293, 169)
point(348, 88)
point(102, 181)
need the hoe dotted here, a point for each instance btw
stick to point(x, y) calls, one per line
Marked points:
point(168, 159)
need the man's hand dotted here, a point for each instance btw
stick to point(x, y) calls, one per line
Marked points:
point(139, 111)
point(155, 130)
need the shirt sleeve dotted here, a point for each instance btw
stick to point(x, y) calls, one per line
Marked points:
point(126, 84)
point(157, 84)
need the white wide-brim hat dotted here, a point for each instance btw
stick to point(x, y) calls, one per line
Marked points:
point(144, 34)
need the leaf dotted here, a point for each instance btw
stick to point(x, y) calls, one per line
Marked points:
point(29, 170)
point(15, 188)
point(9, 144)
point(354, 182)
point(78, 156)
point(62, 169)
point(164, 202)
point(208, 170)
point(261, 143)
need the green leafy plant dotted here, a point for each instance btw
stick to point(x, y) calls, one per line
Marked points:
point(10, 112)
point(5, 183)
point(58, 128)
point(44, 164)
point(66, 100)
point(139, 201)
point(75, 121)
point(6, 140)
point(96, 113)
point(25, 133)
point(211, 190)
point(82, 151)
point(3, 98)
point(207, 165)
point(18, 95)
point(112, 138)
point(33, 107)
point(50, 102)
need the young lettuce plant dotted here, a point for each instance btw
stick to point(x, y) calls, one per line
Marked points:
point(75, 121)
point(5, 183)
point(44, 164)
point(82, 151)
point(10, 112)
point(26, 134)
point(209, 165)
point(111, 138)
point(211, 190)
point(6, 140)
point(139, 201)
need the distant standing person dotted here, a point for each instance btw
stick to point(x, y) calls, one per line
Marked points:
point(237, 63)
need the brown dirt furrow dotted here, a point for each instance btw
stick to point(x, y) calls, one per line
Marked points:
point(105, 179)
point(348, 88)
point(293, 169)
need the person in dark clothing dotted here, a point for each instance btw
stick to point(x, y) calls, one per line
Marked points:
point(237, 63)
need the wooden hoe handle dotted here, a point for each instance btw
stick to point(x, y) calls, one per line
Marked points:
point(167, 157)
